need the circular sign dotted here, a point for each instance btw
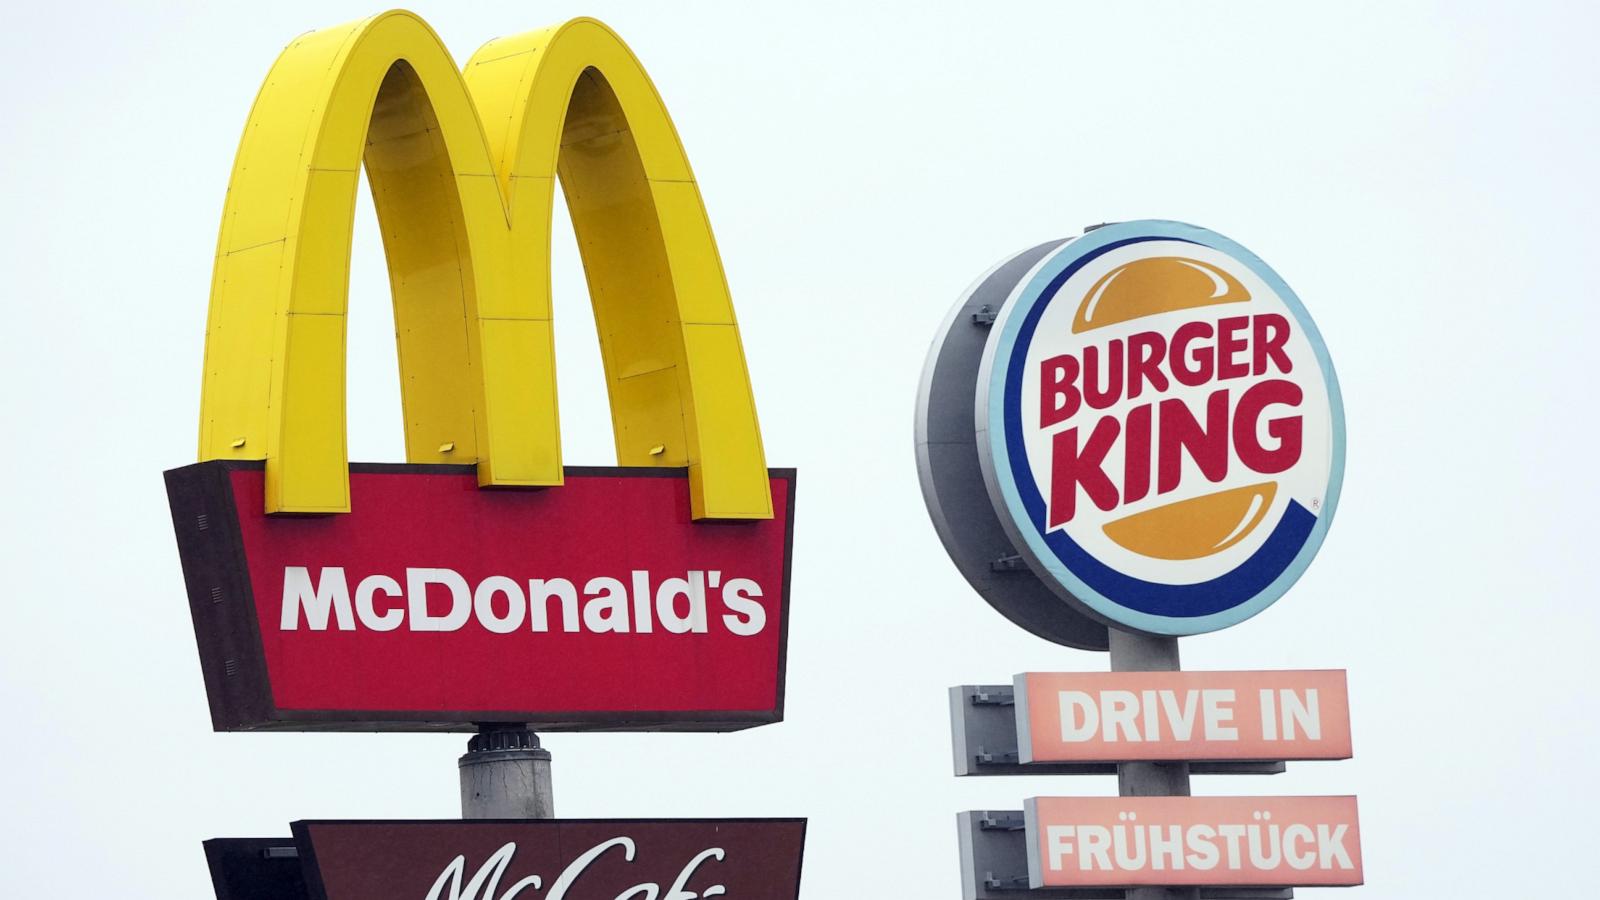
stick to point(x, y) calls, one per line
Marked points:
point(1160, 428)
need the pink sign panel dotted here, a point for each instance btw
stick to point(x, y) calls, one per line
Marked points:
point(1137, 716)
point(1181, 841)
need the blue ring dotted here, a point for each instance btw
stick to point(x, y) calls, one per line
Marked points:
point(1147, 606)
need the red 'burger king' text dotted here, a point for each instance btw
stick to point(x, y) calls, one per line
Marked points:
point(1154, 437)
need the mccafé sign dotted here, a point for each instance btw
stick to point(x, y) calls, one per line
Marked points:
point(1159, 428)
point(482, 580)
point(553, 859)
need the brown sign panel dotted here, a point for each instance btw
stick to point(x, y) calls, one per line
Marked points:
point(551, 859)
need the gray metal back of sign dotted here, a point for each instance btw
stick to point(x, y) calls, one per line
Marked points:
point(951, 476)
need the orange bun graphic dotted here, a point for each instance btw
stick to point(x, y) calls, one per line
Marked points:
point(1158, 284)
point(1197, 527)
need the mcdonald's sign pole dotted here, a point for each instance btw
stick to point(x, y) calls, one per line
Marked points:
point(482, 585)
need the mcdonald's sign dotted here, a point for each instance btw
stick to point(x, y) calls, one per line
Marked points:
point(481, 580)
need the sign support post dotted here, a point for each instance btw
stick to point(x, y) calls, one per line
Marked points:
point(1132, 652)
point(505, 774)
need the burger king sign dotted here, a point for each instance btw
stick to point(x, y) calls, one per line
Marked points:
point(1158, 427)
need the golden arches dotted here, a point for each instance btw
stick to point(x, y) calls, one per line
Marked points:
point(463, 173)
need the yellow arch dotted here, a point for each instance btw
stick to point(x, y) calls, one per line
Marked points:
point(463, 186)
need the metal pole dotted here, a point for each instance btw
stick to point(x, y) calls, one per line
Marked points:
point(1149, 653)
point(505, 774)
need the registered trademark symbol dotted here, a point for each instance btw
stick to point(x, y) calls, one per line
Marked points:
point(1316, 502)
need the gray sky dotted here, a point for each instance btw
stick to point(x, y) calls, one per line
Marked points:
point(1421, 174)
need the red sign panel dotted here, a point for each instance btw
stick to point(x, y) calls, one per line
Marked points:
point(1182, 841)
point(552, 859)
point(1130, 716)
point(435, 604)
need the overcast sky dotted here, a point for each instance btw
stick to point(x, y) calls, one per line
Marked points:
point(1421, 174)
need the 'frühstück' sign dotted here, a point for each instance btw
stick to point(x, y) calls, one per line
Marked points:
point(1131, 841)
